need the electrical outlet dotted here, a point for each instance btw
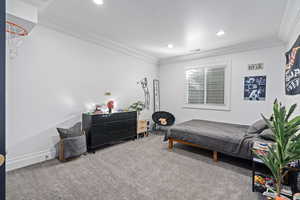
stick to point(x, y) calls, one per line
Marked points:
point(46, 157)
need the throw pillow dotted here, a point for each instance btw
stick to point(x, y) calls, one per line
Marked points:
point(257, 127)
point(267, 134)
point(70, 132)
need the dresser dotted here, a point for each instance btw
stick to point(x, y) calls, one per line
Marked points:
point(102, 129)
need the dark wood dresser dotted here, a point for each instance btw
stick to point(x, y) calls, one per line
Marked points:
point(102, 129)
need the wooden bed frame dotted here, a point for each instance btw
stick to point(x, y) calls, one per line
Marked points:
point(171, 145)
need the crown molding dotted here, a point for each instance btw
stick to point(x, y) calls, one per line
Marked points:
point(37, 3)
point(242, 47)
point(96, 39)
point(290, 19)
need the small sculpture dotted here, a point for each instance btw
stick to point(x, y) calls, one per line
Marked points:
point(110, 106)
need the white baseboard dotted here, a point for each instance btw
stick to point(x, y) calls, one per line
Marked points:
point(29, 159)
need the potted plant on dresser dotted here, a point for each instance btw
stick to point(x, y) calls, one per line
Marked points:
point(286, 147)
point(138, 107)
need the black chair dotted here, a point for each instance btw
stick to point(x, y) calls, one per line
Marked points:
point(162, 118)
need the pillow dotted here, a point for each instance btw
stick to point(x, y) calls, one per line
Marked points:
point(257, 127)
point(70, 132)
point(267, 134)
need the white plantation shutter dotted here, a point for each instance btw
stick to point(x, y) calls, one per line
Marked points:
point(205, 85)
point(195, 86)
point(215, 78)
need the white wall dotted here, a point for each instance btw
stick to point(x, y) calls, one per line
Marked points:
point(242, 112)
point(53, 79)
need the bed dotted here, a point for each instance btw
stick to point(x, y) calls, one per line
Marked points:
point(230, 139)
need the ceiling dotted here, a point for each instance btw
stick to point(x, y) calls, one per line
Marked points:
point(150, 25)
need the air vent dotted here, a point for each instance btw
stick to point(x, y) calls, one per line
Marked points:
point(195, 50)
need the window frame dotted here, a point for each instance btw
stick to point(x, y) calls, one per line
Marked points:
point(227, 86)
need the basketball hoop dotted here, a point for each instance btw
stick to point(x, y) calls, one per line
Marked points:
point(15, 35)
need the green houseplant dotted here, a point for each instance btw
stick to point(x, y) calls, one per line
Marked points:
point(137, 106)
point(286, 147)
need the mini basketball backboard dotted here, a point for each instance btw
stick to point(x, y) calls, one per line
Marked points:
point(20, 20)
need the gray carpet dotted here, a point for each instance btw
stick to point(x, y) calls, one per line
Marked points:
point(135, 170)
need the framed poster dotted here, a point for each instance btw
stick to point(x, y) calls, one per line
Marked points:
point(156, 95)
point(255, 88)
point(292, 70)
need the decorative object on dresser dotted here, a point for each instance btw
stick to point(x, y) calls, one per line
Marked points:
point(137, 106)
point(110, 106)
point(103, 129)
point(142, 127)
point(72, 142)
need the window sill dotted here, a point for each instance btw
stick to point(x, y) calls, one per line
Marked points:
point(207, 107)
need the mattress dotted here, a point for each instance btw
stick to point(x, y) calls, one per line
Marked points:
point(226, 138)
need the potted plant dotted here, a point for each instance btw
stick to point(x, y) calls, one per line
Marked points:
point(137, 106)
point(286, 147)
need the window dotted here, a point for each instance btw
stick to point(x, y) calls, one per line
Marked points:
point(207, 87)
point(215, 78)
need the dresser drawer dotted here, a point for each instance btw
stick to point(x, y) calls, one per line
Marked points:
point(102, 118)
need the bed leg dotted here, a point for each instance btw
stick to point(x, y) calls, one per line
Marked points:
point(170, 144)
point(61, 155)
point(215, 156)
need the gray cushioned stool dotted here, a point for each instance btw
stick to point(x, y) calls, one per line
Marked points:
point(72, 142)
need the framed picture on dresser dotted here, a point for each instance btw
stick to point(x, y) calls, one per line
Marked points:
point(156, 95)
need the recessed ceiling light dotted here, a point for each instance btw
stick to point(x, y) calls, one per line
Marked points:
point(170, 46)
point(220, 33)
point(98, 2)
